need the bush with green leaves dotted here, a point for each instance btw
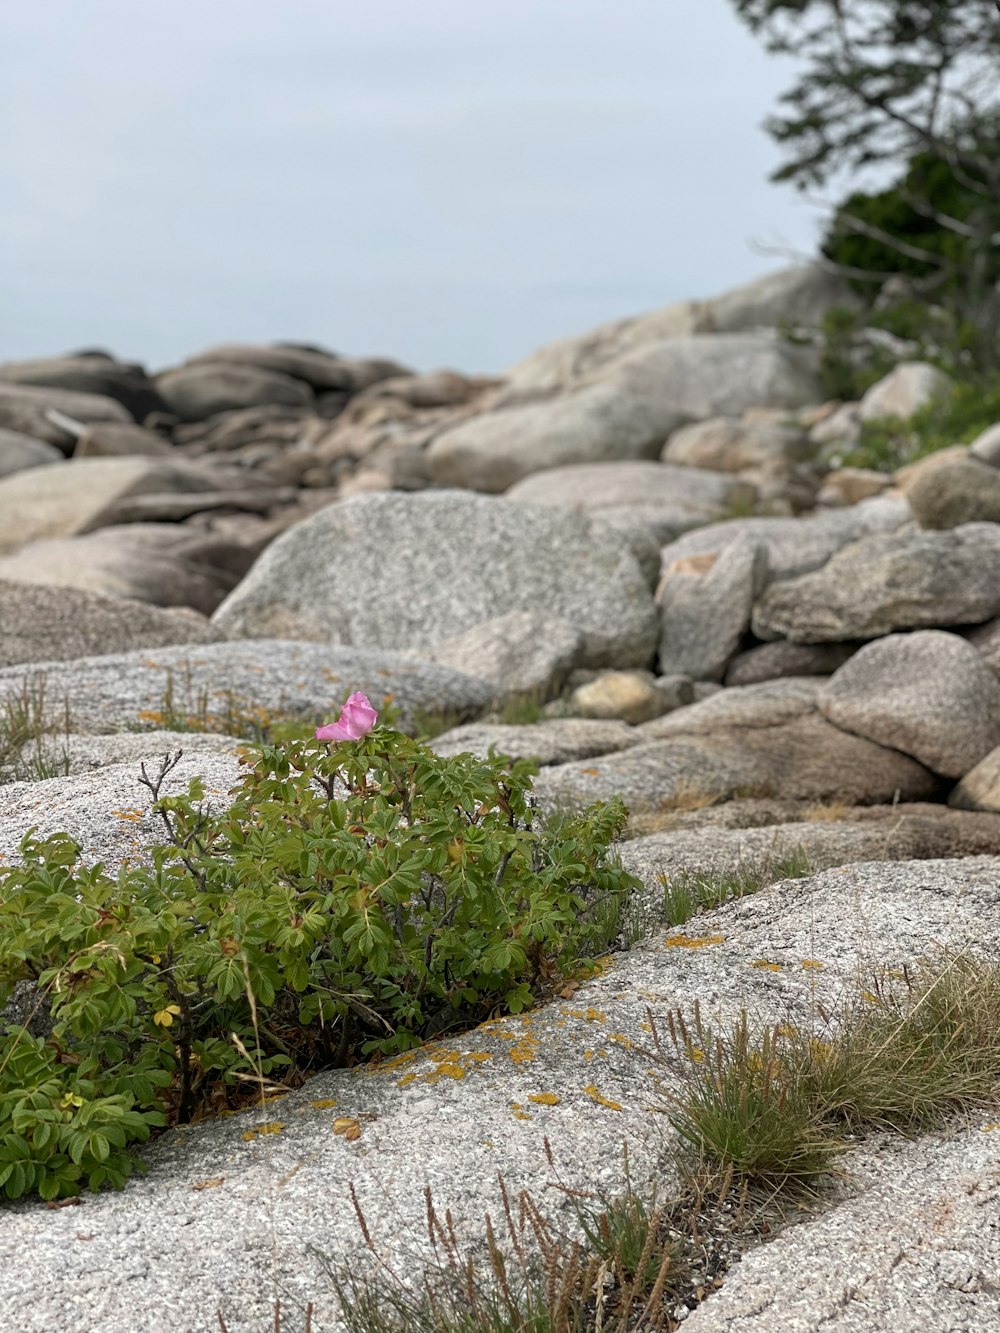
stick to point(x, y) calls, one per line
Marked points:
point(353, 901)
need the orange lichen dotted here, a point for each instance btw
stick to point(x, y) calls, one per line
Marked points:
point(544, 1098)
point(812, 962)
point(766, 965)
point(691, 941)
point(593, 1093)
point(271, 1127)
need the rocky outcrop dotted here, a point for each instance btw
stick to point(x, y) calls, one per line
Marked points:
point(446, 561)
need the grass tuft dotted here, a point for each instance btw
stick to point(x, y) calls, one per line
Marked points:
point(690, 893)
point(26, 724)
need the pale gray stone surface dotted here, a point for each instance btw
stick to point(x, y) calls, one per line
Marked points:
point(907, 387)
point(803, 758)
point(85, 493)
point(966, 491)
point(928, 694)
point(906, 580)
point(115, 439)
point(94, 375)
point(45, 624)
point(797, 295)
point(321, 370)
point(986, 641)
point(75, 754)
point(402, 571)
point(794, 545)
point(705, 604)
point(24, 408)
point(771, 661)
point(628, 410)
point(248, 678)
point(986, 447)
point(194, 392)
point(914, 1247)
point(162, 1254)
point(554, 741)
point(18, 452)
point(979, 789)
point(662, 859)
point(164, 563)
point(769, 703)
point(679, 498)
point(522, 652)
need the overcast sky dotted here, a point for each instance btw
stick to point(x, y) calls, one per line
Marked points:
point(451, 182)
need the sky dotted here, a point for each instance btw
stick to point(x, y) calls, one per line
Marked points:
point(448, 182)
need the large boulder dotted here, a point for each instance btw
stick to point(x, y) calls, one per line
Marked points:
point(793, 545)
point(705, 604)
point(222, 686)
point(321, 370)
point(772, 661)
point(979, 789)
point(522, 652)
point(87, 493)
point(904, 580)
point(47, 624)
point(907, 387)
point(728, 444)
point(628, 411)
point(792, 296)
point(804, 758)
point(965, 491)
point(163, 563)
point(554, 741)
point(194, 392)
point(19, 452)
point(31, 410)
point(928, 694)
point(670, 500)
point(92, 373)
point(391, 570)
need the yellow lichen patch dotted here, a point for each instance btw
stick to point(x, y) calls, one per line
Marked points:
point(695, 1053)
point(323, 1103)
point(589, 1015)
point(271, 1127)
point(519, 1112)
point(645, 1027)
point(589, 1055)
point(451, 1064)
point(132, 815)
point(545, 1098)
point(594, 1095)
point(994, 1124)
point(622, 1040)
point(525, 1050)
point(691, 941)
point(812, 962)
point(766, 965)
point(395, 1063)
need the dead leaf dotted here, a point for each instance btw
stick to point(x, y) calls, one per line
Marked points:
point(65, 1203)
point(348, 1127)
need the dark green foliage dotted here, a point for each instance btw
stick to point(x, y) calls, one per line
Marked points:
point(353, 901)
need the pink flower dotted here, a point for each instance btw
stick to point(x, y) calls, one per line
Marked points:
point(357, 718)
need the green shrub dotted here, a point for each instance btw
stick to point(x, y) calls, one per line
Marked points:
point(353, 901)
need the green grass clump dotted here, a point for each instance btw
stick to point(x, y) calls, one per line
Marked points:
point(29, 732)
point(690, 893)
point(778, 1108)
